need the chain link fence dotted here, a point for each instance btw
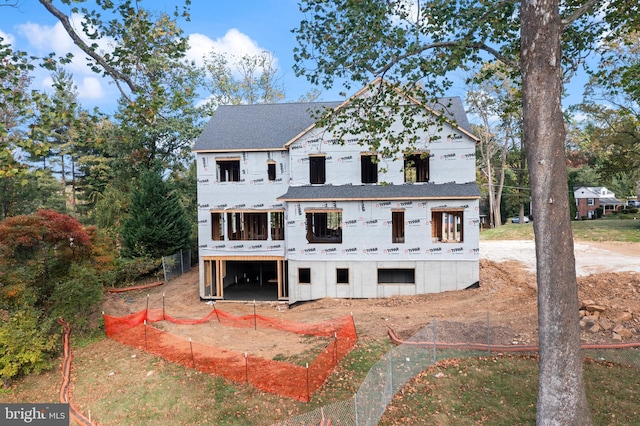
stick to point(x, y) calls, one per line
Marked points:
point(414, 355)
point(176, 264)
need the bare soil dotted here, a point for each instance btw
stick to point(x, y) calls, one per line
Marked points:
point(608, 274)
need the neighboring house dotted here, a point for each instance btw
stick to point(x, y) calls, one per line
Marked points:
point(286, 210)
point(590, 198)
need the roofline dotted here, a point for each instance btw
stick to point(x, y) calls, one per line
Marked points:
point(239, 150)
point(400, 92)
point(447, 197)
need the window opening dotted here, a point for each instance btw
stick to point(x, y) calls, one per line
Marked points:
point(416, 168)
point(317, 170)
point(447, 226)
point(369, 168)
point(228, 170)
point(324, 227)
point(397, 227)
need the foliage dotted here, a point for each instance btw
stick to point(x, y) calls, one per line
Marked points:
point(156, 224)
point(26, 343)
point(77, 298)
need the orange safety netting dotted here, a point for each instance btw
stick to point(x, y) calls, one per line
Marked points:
point(272, 376)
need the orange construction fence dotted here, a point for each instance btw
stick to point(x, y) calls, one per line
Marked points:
point(268, 375)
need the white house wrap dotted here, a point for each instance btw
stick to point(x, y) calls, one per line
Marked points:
point(283, 207)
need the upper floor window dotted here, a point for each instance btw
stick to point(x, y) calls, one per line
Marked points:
point(591, 201)
point(228, 169)
point(317, 169)
point(276, 220)
point(271, 170)
point(324, 226)
point(217, 232)
point(246, 226)
point(416, 167)
point(397, 226)
point(447, 226)
point(369, 168)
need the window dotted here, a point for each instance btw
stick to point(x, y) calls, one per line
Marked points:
point(317, 169)
point(246, 226)
point(591, 201)
point(304, 275)
point(228, 169)
point(416, 167)
point(217, 231)
point(446, 226)
point(277, 225)
point(342, 276)
point(397, 227)
point(369, 168)
point(396, 276)
point(271, 171)
point(324, 227)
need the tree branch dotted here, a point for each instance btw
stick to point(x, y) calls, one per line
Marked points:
point(111, 71)
point(449, 44)
point(579, 12)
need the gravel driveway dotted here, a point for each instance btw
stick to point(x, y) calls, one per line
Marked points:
point(591, 258)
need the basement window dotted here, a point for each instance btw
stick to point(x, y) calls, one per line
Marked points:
point(324, 226)
point(342, 276)
point(447, 226)
point(396, 276)
point(304, 275)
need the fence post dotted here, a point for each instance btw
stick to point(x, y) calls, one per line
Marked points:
point(164, 269)
point(434, 341)
point(488, 333)
point(308, 392)
point(391, 371)
point(193, 361)
point(355, 406)
point(246, 368)
point(145, 335)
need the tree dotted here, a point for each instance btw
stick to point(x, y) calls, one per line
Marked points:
point(156, 225)
point(493, 100)
point(416, 45)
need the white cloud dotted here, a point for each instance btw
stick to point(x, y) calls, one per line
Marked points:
point(7, 38)
point(90, 88)
point(234, 44)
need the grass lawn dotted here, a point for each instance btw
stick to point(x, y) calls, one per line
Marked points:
point(621, 228)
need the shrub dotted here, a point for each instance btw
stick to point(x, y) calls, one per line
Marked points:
point(78, 297)
point(26, 343)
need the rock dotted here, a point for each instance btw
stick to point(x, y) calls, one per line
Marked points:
point(623, 332)
point(586, 303)
point(595, 328)
point(616, 336)
point(624, 317)
point(605, 324)
point(595, 308)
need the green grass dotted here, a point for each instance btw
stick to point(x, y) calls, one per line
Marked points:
point(621, 228)
point(118, 385)
point(503, 391)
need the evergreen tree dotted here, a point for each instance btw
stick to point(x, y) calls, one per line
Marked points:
point(157, 224)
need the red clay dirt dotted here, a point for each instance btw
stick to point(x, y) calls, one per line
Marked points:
point(506, 299)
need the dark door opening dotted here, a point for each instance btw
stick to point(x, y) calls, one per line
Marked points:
point(251, 280)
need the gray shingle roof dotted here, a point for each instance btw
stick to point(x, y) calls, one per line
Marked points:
point(271, 126)
point(382, 192)
point(254, 127)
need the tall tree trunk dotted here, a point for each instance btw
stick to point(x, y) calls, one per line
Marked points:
point(561, 396)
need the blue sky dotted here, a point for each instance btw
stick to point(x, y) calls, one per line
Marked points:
point(239, 27)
